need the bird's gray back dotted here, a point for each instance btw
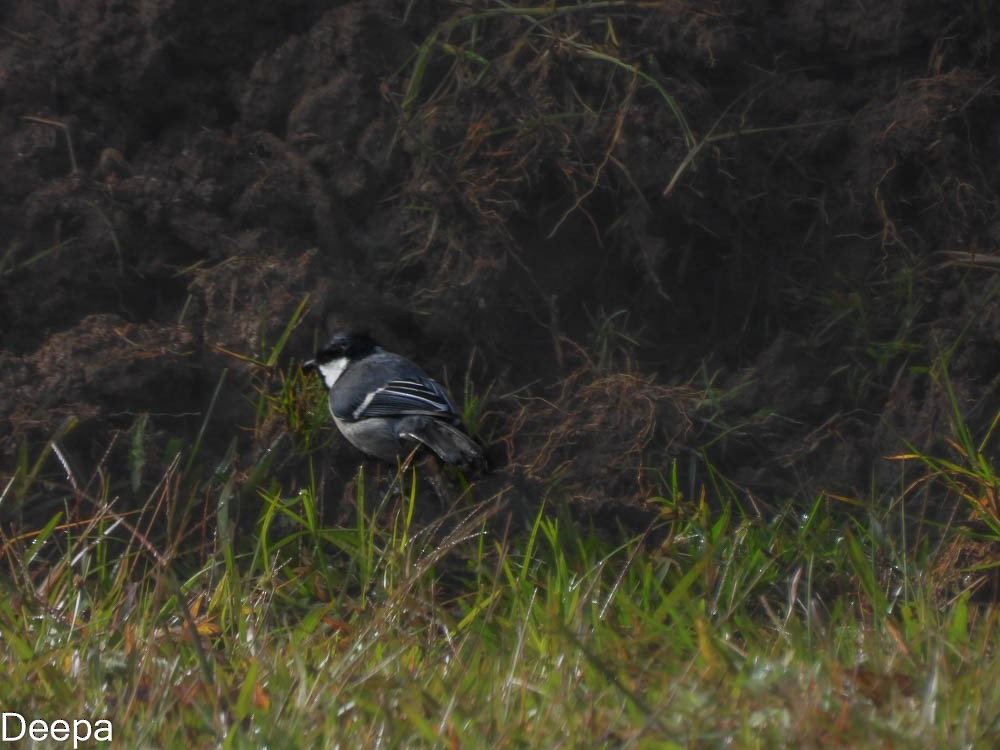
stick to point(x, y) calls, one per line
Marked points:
point(380, 368)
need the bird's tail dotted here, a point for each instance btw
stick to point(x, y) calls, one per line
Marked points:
point(449, 443)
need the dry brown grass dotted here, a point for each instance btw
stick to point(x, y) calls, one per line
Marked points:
point(602, 434)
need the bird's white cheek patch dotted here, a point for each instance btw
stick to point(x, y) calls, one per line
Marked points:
point(332, 370)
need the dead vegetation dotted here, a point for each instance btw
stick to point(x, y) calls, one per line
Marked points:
point(765, 195)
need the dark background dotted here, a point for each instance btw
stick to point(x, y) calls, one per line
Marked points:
point(485, 189)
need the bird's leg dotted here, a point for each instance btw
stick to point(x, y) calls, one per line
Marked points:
point(436, 481)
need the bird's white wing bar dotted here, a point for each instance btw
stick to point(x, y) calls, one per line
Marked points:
point(405, 397)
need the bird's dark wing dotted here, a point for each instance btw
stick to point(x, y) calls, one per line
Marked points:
point(400, 398)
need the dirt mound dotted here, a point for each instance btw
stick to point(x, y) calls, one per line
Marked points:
point(757, 224)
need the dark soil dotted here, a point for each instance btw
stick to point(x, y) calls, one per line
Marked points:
point(745, 235)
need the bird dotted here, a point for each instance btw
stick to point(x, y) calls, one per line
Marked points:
point(384, 404)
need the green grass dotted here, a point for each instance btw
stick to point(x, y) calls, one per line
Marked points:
point(828, 624)
point(711, 629)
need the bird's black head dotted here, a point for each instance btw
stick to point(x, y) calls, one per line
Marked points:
point(349, 346)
